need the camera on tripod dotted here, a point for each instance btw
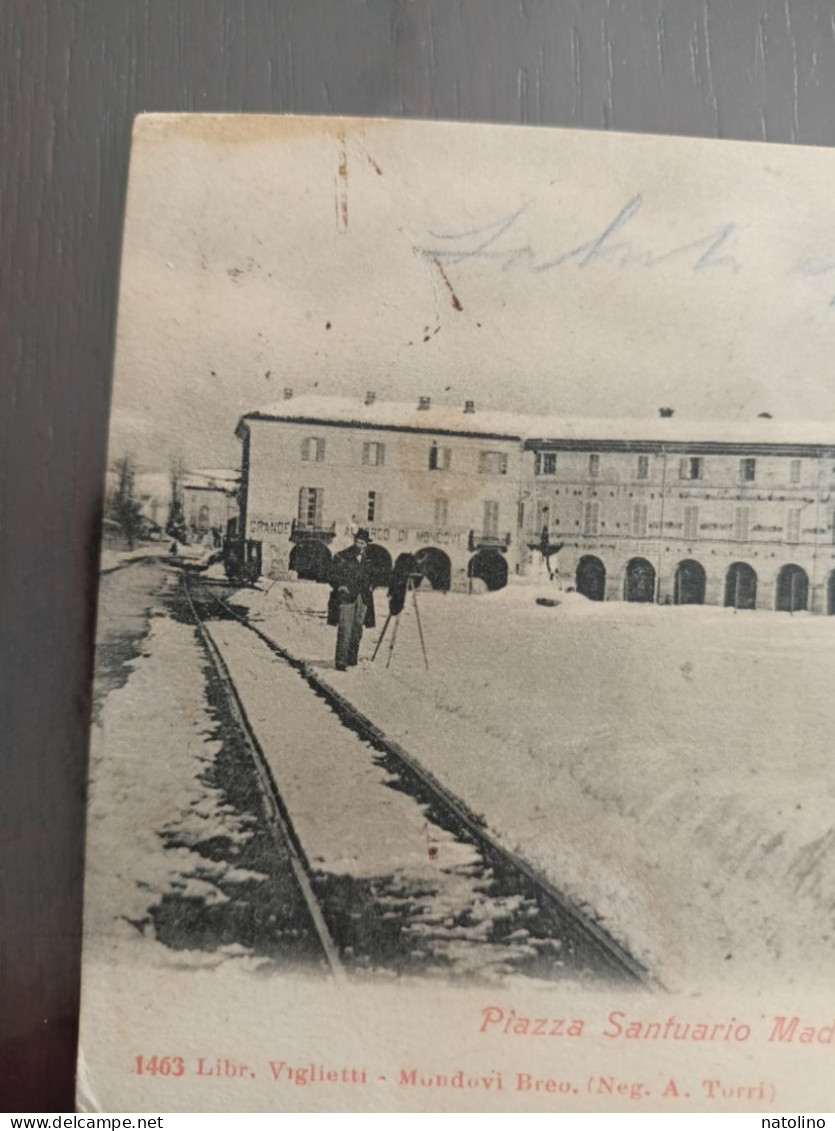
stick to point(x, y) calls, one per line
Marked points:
point(405, 579)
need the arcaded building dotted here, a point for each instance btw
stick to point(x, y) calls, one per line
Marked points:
point(210, 505)
point(663, 510)
point(682, 513)
point(438, 481)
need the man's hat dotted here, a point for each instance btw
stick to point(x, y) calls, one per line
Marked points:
point(363, 534)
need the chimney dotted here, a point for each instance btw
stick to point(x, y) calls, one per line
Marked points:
point(370, 397)
point(288, 394)
point(469, 406)
point(666, 412)
point(424, 403)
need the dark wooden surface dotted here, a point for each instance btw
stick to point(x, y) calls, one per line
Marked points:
point(73, 74)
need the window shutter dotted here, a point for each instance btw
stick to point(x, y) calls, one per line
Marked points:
point(503, 463)
point(378, 507)
point(381, 455)
point(683, 468)
point(303, 504)
point(366, 453)
point(305, 449)
point(537, 463)
point(320, 451)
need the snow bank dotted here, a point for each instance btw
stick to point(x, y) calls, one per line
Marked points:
point(668, 768)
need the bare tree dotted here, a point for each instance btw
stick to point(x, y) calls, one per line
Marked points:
point(176, 525)
point(123, 506)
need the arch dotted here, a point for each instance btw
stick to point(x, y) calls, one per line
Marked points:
point(792, 589)
point(740, 586)
point(830, 594)
point(379, 560)
point(311, 560)
point(590, 577)
point(435, 567)
point(639, 581)
point(490, 566)
point(689, 583)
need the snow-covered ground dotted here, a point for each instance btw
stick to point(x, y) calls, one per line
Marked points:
point(148, 756)
point(669, 768)
point(114, 559)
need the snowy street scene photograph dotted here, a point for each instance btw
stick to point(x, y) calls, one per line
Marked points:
point(467, 585)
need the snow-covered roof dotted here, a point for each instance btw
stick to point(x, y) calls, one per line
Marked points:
point(454, 419)
point(395, 414)
point(213, 479)
point(680, 430)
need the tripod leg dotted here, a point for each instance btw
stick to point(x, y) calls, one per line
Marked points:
point(420, 628)
point(393, 640)
point(380, 641)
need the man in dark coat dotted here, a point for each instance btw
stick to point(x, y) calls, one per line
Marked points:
point(351, 604)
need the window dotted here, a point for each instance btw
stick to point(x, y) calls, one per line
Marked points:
point(643, 467)
point(313, 449)
point(373, 454)
point(794, 470)
point(742, 520)
point(203, 518)
point(491, 518)
point(793, 524)
point(691, 523)
point(310, 506)
point(590, 518)
point(747, 470)
point(545, 463)
point(639, 520)
point(373, 506)
point(441, 512)
point(492, 463)
point(690, 467)
point(594, 465)
point(439, 458)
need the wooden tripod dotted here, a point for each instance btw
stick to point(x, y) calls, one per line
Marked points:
point(410, 588)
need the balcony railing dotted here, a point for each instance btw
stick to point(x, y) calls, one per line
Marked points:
point(302, 531)
point(487, 540)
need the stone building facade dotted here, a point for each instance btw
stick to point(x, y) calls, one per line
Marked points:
point(663, 513)
point(210, 505)
point(663, 510)
point(438, 482)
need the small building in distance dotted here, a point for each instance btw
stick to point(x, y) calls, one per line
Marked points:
point(210, 506)
point(662, 510)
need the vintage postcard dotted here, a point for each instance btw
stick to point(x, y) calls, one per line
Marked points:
point(463, 715)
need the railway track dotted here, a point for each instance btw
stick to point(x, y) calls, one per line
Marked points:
point(570, 943)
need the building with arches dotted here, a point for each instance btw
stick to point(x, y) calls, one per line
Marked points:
point(210, 505)
point(441, 483)
point(660, 511)
point(677, 512)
